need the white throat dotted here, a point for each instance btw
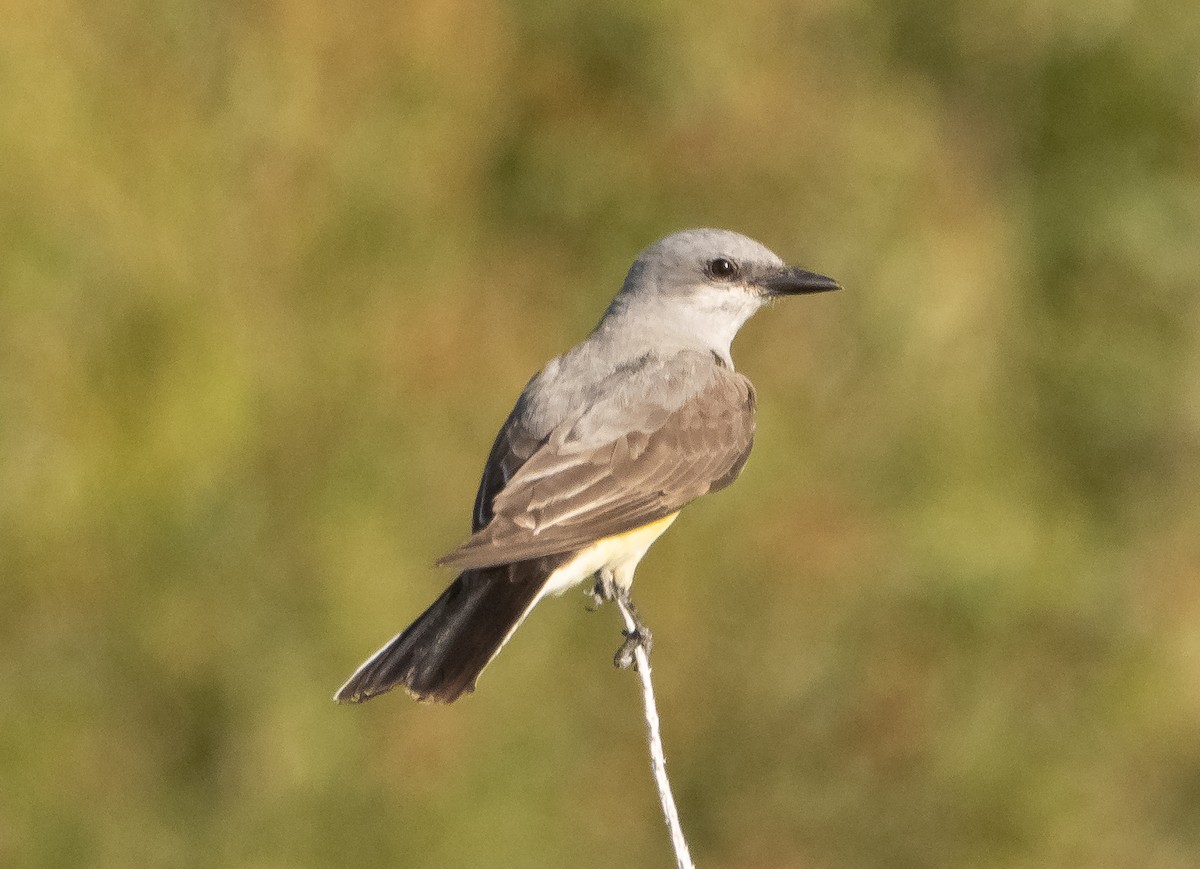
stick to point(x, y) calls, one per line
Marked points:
point(707, 319)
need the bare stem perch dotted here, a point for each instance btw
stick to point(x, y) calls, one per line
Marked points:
point(658, 759)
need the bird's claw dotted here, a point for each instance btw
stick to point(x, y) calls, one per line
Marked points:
point(639, 637)
point(604, 590)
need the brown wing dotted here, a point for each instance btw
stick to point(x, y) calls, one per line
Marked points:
point(566, 495)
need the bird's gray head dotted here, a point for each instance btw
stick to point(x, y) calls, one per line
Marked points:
point(696, 288)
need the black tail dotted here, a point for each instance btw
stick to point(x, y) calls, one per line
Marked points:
point(441, 654)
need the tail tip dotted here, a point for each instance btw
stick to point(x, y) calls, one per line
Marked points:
point(357, 690)
point(351, 693)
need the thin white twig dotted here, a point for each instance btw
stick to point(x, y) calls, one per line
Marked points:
point(658, 759)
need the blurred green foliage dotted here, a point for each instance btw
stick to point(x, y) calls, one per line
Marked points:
point(272, 273)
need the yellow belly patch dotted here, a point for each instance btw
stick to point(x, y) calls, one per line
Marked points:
point(620, 553)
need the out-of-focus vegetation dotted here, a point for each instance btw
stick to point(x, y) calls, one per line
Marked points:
point(272, 273)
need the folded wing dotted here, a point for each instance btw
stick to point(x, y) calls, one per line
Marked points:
point(619, 465)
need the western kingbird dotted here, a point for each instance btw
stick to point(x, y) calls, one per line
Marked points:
point(604, 447)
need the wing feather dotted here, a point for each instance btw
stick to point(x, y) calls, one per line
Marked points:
point(541, 497)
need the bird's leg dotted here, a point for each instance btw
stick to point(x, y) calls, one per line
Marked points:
point(605, 588)
point(639, 636)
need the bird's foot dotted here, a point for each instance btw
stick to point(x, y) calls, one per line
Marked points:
point(604, 590)
point(639, 637)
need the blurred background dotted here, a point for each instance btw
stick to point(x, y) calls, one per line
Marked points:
point(273, 273)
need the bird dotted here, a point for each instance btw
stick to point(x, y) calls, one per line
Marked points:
point(604, 447)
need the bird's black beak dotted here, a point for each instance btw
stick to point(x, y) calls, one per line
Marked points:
point(790, 281)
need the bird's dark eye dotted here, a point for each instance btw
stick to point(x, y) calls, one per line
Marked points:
point(722, 268)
